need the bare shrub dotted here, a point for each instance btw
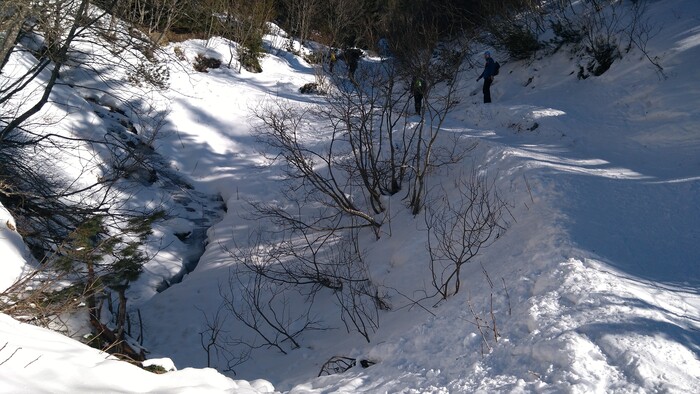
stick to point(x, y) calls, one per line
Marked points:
point(484, 319)
point(301, 15)
point(340, 364)
point(521, 42)
point(203, 63)
point(156, 75)
point(603, 52)
point(262, 304)
point(567, 32)
point(310, 88)
point(459, 229)
point(281, 129)
point(514, 27)
point(603, 31)
point(216, 340)
point(305, 263)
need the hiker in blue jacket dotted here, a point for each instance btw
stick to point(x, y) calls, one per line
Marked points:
point(490, 70)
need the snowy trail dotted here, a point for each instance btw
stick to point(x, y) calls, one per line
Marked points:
point(621, 313)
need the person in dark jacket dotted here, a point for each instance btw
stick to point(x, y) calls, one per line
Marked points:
point(487, 74)
point(418, 90)
point(352, 57)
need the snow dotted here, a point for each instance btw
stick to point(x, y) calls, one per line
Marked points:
point(593, 288)
point(14, 253)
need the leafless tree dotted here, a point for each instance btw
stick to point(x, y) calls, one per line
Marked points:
point(340, 17)
point(56, 47)
point(53, 37)
point(484, 319)
point(365, 120)
point(38, 190)
point(334, 189)
point(373, 150)
point(13, 15)
point(417, 51)
point(301, 14)
point(359, 299)
point(217, 341)
point(427, 156)
point(459, 229)
point(298, 262)
point(282, 132)
point(263, 306)
point(82, 231)
point(154, 17)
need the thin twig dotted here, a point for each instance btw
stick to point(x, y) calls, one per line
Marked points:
point(478, 326)
point(507, 296)
point(493, 320)
point(32, 362)
point(11, 355)
point(529, 190)
point(486, 274)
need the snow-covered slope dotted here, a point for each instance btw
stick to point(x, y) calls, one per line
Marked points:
point(593, 288)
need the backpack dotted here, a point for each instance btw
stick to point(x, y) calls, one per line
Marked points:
point(496, 68)
point(418, 85)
